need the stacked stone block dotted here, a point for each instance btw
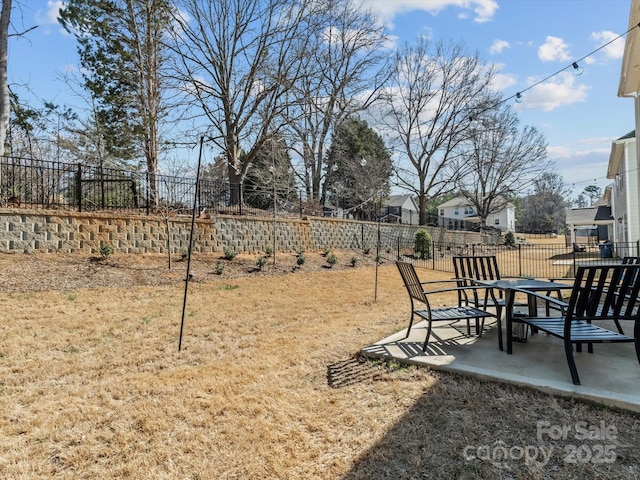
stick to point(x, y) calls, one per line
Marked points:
point(28, 231)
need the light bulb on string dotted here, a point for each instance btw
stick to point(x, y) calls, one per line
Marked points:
point(519, 97)
point(577, 69)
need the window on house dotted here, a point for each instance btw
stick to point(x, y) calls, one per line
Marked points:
point(442, 212)
point(496, 221)
point(468, 210)
point(456, 211)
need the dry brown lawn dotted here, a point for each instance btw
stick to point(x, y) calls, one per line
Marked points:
point(267, 386)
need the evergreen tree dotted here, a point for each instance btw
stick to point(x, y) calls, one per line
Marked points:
point(120, 43)
point(270, 173)
point(544, 211)
point(359, 168)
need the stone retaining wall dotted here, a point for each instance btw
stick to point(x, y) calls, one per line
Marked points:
point(27, 231)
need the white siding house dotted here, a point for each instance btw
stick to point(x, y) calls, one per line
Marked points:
point(456, 213)
point(401, 209)
point(623, 170)
point(625, 156)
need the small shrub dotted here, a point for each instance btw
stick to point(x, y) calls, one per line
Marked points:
point(229, 253)
point(332, 259)
point(301, 259)
point(509, 239)
point(268, 251)
point(106, 250)
point(367, 249)
point(354, 261)
point(261, 261)
point(219, 268)
point(326, 251)
point(422, 245)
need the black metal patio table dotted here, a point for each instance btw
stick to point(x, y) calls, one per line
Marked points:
point(509, 286)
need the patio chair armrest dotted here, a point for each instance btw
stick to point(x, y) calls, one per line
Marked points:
point(457, 289)
point(546, 298)
point(450, 280)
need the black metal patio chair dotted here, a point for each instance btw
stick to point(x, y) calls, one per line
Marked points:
point(631, 260)
point(603, 294)
point(421, 307)
point(468, 268)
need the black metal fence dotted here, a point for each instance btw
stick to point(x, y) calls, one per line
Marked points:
point(521, 260)
point(384, 213)
point(45, 184)
point(35, 183)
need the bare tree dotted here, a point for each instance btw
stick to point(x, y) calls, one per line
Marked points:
point(434, 91)
point(499, 159)
point(237, 59)
point(343, 73)
point(5, 20)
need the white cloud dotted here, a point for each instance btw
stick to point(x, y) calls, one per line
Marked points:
point(498, 46)
point(580, 166)
point(483, 10)
point(562, 90)
point(502, 81)
point(50, 16)
point(594, 155)
point(554, 48)
point(613, 50)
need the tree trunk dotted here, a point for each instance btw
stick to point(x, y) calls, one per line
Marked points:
point(235, 186)
point(422, 207)
point(4, 86)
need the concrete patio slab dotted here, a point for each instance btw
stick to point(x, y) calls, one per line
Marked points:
point(610, 376)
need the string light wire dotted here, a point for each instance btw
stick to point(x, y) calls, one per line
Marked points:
point(519, 95)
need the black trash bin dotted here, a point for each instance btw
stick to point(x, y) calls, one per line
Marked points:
point(606, 250)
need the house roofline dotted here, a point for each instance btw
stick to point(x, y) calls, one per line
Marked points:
point(630, 72)
point(615, 157)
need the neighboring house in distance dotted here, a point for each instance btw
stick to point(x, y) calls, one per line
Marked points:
point(401, 209)
point(595, 222)
point(457, 213)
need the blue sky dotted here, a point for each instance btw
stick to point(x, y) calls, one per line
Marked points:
point(528, 40)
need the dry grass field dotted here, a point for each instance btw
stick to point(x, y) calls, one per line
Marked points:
point(267, 386)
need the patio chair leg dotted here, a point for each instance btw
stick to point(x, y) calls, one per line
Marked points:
point(568, 348)
point(636, 335)
point(618, 326)
point(499, 323)
point(424, 347)
point(410, 324)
